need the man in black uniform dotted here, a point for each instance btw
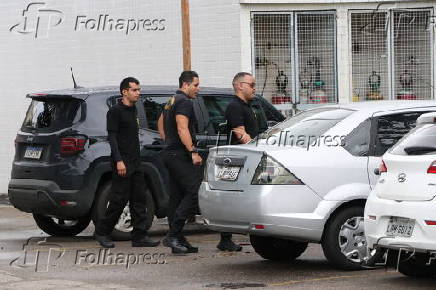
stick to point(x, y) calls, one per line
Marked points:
point(177, 127)
point(242, 126)
point(128, 184)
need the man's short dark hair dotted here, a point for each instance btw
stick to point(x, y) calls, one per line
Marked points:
point(239, 76)
point(187, 77)
point(124, 85)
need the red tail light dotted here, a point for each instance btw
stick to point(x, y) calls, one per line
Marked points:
point(382, 168)
point(72, 145)
point(430, 223)
point(432, 168)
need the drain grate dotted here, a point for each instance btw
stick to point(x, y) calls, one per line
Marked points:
point(234, 285)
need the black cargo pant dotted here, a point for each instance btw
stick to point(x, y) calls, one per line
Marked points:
point(132, 189)
point(184, 181)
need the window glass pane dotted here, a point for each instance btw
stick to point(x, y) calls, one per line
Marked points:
point(272, 56)
point(153, 106)
point(357, 142)
point(369, 56)
point(316, 44)
point(392, 128)
point(423, 139)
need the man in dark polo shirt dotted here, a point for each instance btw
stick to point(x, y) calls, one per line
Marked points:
point(242, 126)
point(177, 127)
point(241, 118)
point(128, 184)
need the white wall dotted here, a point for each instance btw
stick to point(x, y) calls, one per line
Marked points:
point(30, 64)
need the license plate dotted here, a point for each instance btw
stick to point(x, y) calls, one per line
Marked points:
point(228, 173)
point(400, 227)
point(33, 152)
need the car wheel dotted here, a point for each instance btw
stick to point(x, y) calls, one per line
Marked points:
point(415, 266)
point(344, 242)
point(60, 227)
point(123, 228)
point(277, 249)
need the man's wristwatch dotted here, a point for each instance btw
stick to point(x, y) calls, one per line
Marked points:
point(194, 150)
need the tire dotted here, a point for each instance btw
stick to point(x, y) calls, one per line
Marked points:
point(59, 227)
point(123, 228)
point(344, 234)
point(416, 267)
point(277, 249)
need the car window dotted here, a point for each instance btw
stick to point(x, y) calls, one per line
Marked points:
point(271, 113)
point(216, 107)
point(153, 106)
point(357, 142)
point(51, 114)
point(392, 128)
point(421, 139)
point(306, 125)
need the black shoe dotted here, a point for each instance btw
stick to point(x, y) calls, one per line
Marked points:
point(228, 245)
point(191, 249)
point(145, 242)
point(104, 241)
point(175, 244)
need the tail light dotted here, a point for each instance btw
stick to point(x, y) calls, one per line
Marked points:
point(432, 168)
point(72, 145)
point(382, 168)
point(270, 171)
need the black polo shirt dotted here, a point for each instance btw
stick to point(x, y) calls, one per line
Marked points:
point(122, 127)
point(240, 113)
point(179, 104)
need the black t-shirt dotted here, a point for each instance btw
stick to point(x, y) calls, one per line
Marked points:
point(122, 127)
point(240, 113)
point(179, 104)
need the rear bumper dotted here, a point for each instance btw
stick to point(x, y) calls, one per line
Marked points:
point(45, 197)
point(293, 212)
point(423, 237)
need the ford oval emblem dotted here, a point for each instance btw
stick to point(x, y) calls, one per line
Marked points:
point(401, 177)
point(227, 161)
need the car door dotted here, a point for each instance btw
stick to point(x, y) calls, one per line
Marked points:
point(387, 129)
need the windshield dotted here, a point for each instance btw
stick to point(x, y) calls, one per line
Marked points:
point(311, 124)
point(421, 140)
point(51, 114)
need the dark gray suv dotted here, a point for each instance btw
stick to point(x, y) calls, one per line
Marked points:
point(61, 172)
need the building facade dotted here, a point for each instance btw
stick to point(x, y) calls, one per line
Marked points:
point(309, 52)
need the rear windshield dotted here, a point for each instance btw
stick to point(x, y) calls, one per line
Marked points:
point(51, 114)
point(419, 141)
point(311, 123)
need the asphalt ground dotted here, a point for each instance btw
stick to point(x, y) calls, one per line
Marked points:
point(29, 259)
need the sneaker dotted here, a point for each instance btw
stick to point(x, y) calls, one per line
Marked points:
point(104, 241)
point(191, 249)
point(228, 245)
point(145, 242)
point(175, 244)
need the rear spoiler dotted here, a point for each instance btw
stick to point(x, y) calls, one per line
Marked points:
point(57, 96)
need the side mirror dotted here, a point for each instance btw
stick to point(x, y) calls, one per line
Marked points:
point(271, 123)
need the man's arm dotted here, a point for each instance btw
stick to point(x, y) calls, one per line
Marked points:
point(160, 127)
point(185, 136)
point(241, 135)
point(112, 129)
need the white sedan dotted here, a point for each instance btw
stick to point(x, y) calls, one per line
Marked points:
point(306, 180)
point(400, 214)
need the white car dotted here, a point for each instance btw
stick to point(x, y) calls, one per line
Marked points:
point(400, 213)
point(306, 180)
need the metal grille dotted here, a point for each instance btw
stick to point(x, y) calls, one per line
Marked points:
point(370, 70)
point(272, 56)
point(316, 46)
point(412, 47)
